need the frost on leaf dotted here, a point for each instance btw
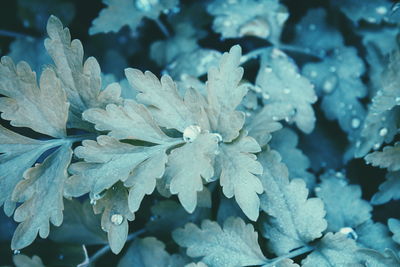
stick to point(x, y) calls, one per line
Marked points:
point(233, 245)
point(237, 168)
point(80, 80)
point(293, 219)
point(338, 81)
point(333, 250)
point(350, 210)
point(119, 13)
point(263, 19)
point(115, 216)
point(284, 87)
point(42, 193)
point(149, 252)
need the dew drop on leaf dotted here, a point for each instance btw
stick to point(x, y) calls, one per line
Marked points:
point(117, 219)
point(265, 96)
point(16, 252)
point(190, 133)
point(349, 232)
point(145, 5)
point(355, 123)
point(383, 131)
point(381, 10)
point(330, 83)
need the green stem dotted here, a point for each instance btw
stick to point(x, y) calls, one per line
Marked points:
point(290, 255)
point(163, 28)
point(14, 34)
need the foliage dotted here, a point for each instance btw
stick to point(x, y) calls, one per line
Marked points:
point(254, 141)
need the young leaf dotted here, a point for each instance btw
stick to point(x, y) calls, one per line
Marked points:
point(389, 190)
point(22, 260)
point(389, 158)
point(375, 236)
point(43, 109)
point(350, 210)
point(237, 168)
point(119, 13)
point(394, 226)
point(234, 245)
point(116, 214)
point(374, 258)
point(293, 220)
point(333, 250)
point(42, 194)
point(263, 19)
point(281, 83)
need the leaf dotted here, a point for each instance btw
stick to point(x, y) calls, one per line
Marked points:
point(375, 236)
point(374, 258)
point(237, 167)
point(293, 219)
point(147, 252)
point(389, 190)
point(224, 94)
point(186, 167)
point(394, 226)
point(263, 19)
point(350, 210)
point(234, 245)
point(199, 264)
point(119, 13)
point(80, 225)
point(389, 158)
point(115, 217)
point(338, 81)
point(108, 161)
point(333, 250)
point(80, 80)
point(42, 194)
point(22, 260)
point(43, 109)
point(282, 85)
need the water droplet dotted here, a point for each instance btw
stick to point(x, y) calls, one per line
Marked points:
point(397, 100)
point(355, 123)
point(371, 19)
point(16, 252)
point(286, 91)
point(312, 27)
point(358, 144)
point(381, 10)
point(268, 69)
point(276, 53)
point(145, 5)
point(330, 84)
point(117, 219)
point(219, 137)
point(317, 189)
point(349, 232)
point(93, 202)
point(248, 114)
point(377, 146)
point(275, 118)
point(257, 89)
point(265, 96)
point(191, 133)
point(332, 69)
point(313, 74)
point(383, 131)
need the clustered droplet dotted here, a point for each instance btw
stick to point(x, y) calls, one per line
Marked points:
point(349, 232)
point(117, 219)
point(191, 133)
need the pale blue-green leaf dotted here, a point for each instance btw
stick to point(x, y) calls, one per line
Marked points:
point(199, 264)
point(394, 226)
point(373, 258)
point(281, 83)
point(375, 236)
point(388, 190)
point(263, 19)
point(349, 210)
point(237, 167)
point(187, 167)
point(108, 161)
point(388, 158)
point(22, 260)
point(43, 109)
point(234, 245)
point(80, 80)
point(119, 13)
point(285, 142)
point(333, 250)
point(293, 219)
point(80, 225)
point(115, 216)
point(42, 194)
point(130, 121)
point(224, 94)
point(286, 263)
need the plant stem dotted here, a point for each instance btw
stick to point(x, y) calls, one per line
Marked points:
point(162, 28)
point(14, 34)
point(107, 248)
point(290, 255)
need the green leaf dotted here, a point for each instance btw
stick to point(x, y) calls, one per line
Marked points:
point(115, 217)
point(388, 158)
point(237, 167)
point(119, 13)
point(224, 94)
point(375, 236)
point(42, 194)
point(80, 80)
point(149, 252)
point(389, 190)
point(22, 260)
point(186, 167)
point(394, 226)
point(80, 225)
point(282, 85)
point(333, 250)
point(374, 258)
point(199, 264)
point(43, 109)
point(350, 210)
point(234, 245)
point(294, 220)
